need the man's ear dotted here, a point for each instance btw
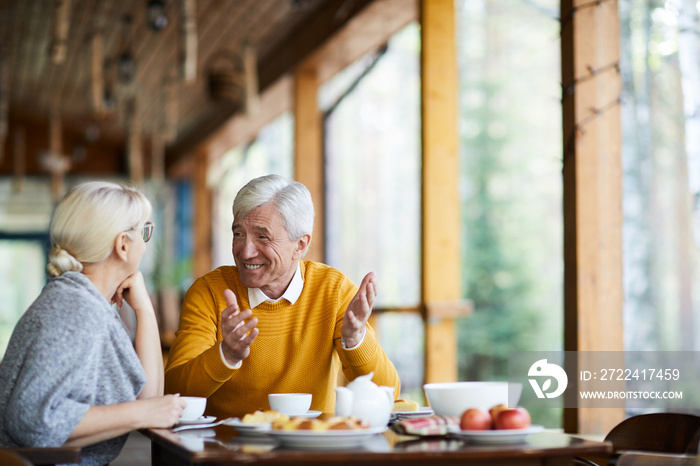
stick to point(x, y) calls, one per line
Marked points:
point(302, 246)
point(121, 247)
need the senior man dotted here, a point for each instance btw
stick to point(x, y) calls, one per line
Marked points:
point(274, 323)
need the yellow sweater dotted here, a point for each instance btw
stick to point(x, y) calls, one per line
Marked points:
point(297, 350)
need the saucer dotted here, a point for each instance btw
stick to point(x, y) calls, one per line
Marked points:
point(199, 420)
point(309, 414)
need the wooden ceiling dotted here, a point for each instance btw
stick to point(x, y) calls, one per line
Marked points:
point(42, 87)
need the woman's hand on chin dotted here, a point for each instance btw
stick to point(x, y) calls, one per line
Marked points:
point(133, 290)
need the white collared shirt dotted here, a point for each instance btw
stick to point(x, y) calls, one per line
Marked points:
point(256, 296)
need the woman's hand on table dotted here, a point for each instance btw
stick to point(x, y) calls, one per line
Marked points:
point(162, 411)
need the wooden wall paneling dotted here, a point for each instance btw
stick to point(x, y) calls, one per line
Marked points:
point(592, 177)
point(308, 151)
point(441, 220)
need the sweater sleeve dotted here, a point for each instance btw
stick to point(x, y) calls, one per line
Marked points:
point(369, 356)
point(194, 364)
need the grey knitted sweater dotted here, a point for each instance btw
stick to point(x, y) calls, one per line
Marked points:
point(69, 351)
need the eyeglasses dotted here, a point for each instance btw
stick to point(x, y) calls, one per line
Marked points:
point(146, 232)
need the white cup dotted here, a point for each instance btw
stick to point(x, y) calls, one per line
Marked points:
point(194, 409)
point(291, 404)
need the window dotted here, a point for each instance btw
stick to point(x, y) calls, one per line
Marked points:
point(510, 139)
point(19, 285)
point(373, 182)
point(660, 71)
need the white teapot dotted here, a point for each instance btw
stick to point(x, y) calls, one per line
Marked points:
point(365, 400)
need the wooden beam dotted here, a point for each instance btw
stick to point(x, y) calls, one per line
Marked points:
point(244, 127)
point(170, 110)
point(364, 33)
point(441, 208)
point(202, 215)
point(372, 27)
point(188, 40)
point(97, 80)
point(330, 18)
point(309, 165)
point(250, 68)
point(157, 156)
point(300, 44)
point(135, 144)
point(54, 161)
point(61, 23)
point(592, 177)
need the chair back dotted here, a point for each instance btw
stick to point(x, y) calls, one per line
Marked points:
point(657, 432)
point(10, 458)
point(656, 459)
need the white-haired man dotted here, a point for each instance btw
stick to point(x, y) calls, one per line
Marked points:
point(274, 323)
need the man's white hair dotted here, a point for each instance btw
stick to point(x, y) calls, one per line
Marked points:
point(291, 199)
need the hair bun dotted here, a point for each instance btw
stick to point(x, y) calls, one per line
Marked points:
point(61, 261)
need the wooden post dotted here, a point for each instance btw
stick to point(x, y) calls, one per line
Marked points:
point(250, 68)
point(202, 215)
point(61, 24)
point(97, 80)
point(188, 41)
point(135, 144)
point(441, 212)
point(170, 110)
point(4, 100)
point(56, 163)
point(20, 156)
point(157, 156)
point(592, 177)
point(308, 151)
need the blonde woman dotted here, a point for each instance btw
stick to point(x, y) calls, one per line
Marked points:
point(71, 374)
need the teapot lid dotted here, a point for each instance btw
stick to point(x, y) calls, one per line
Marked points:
point(362, 380)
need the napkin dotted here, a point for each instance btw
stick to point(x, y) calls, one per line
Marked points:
point(433, 425)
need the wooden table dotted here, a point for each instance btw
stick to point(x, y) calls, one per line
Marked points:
point(42, 456)
point(224, 446)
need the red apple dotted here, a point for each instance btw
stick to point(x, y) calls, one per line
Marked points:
point(495, 410)
point(475, 419)
point(515, 418)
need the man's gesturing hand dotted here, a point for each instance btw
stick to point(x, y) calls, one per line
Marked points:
point(238, 334)
point(358, 311)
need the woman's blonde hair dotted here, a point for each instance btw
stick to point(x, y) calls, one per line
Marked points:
point(86, 221)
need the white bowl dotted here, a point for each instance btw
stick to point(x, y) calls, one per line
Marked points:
point(453, 398)
point(194, 409)
point(291, 404)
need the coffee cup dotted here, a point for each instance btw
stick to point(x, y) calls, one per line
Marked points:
point(291, 404)
point(194, 409)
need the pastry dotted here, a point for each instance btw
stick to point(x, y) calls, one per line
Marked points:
point(264, 417)
point(402, 405)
